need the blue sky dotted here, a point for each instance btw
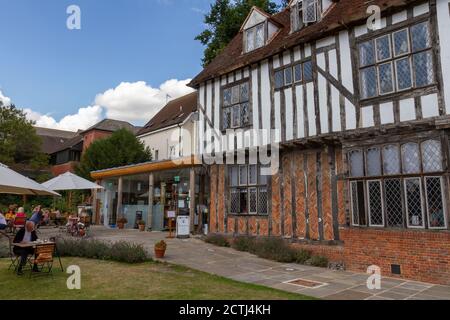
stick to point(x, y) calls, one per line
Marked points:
point(54, 71)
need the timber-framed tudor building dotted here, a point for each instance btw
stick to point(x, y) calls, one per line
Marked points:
point(361, 116)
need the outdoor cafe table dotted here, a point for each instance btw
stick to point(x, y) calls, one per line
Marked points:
point(33, 244)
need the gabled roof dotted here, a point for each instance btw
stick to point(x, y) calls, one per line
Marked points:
point(173, 113)
point(73, 143)
point(341, 15)
point(53, 139)
point(112, 126)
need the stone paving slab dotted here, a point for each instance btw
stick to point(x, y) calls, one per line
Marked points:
point(243, 266)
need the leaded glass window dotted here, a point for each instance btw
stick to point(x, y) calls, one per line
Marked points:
point(310, 11)
point(373, 162)
point(368, 80)
point(420, 36)
point(414, 204)
point(401, 42)
point(279, 79)
point(288, 76)
point(236, 111)
point(255, 37)
point(356, 163)
point(410, 158)
point(403, 70)
point(248, 190)
point(376, 217)
point(393, 202)
point(383, 48)
point(298, 72)
point(393, 63)
point(307, 71)
point(386, 74)
point(435, 202)
point(409, 185)
point(366, 53)
point(423, 68)
point(391, 160)
point(432, 156)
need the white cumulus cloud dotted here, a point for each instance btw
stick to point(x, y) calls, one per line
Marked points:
point(83, 119)
point(4, 100)
point(135, 102)
point(138, 102)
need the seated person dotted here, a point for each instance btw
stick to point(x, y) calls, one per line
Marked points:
point(46, 217)
point(10, 215)
point(21, 213)
point(27, 234)
point(37, 216)
point(3, 222)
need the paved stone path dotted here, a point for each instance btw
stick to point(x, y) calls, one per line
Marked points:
point(245, 267)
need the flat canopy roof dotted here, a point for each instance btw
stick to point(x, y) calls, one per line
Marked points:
point(147, 167)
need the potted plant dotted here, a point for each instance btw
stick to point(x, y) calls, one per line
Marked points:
point(121, 223)
point(160, 249)
point(141, 224)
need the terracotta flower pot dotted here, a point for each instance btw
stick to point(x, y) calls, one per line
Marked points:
point(142, 227)
point(159, 253)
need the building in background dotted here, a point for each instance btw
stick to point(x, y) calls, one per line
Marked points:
point(173, 183)
point(66, 155)
point(361, 117)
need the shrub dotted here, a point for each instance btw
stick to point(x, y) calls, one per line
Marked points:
point(124, 251)
point(319, 261)
point(245, 244)
point(217, 239)
point(120, 251)
point(302, 256)
point(274, 249)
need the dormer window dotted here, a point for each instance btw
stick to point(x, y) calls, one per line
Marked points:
point(304, 12)
point(255, 37)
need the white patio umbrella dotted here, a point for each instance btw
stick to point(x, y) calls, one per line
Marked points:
point(70, 181)
point(14, 183)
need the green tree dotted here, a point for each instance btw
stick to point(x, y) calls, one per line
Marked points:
point(225, 20)
point(120, 149)
point(20, 146)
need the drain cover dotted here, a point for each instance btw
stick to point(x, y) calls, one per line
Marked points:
point(306, 283)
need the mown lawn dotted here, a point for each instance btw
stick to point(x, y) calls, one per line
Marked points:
point(151, 280)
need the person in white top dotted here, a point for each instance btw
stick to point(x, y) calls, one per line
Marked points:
point(25, 235)
point(3, 223)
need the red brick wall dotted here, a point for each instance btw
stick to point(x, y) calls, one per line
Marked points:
point(63, 168)
point(422, 255)
point(93, 135)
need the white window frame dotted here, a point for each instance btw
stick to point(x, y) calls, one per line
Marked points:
point(369, 211)
point(306, 4)
point(292, 76)
point(248, 173)
point(301, 72)
point(444, 205)
point(379, 78)
point(409, 57)
point(393, 43)
point(407, 204)
point(246, 37)
point(390, 48)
